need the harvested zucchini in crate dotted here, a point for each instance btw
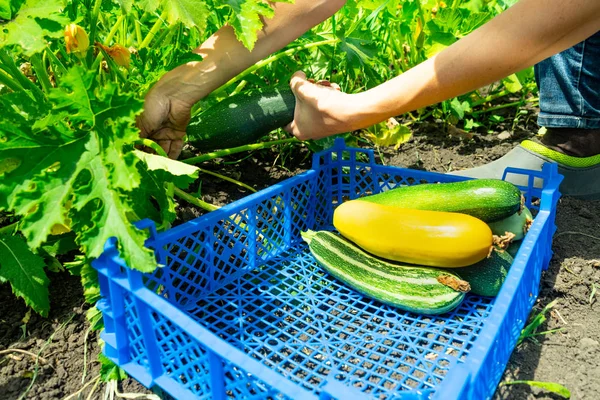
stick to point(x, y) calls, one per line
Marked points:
point(434, 238)
point(419, 289)
point(486, 199)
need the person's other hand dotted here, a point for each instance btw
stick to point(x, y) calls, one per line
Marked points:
point(321, 109)
point(165, 118)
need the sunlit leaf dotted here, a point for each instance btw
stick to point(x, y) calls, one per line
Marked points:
point(24, 271)
point(109, 371)
point(78, 180)
point(35, 21)
point(246, 19)
point(188, 12)
point(512, 83)
point(553, 387)
point(388, 133)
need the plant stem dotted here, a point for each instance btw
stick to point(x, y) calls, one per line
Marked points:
point(137, 28)
point(239, 88)
point(239, 149)
point(154, 30)
point(275, 57)
point(123, 32)
point(114, 29)
point(35, 356)
point(57, 66)
point(228, 179)
point(167, 35)
point(9, 66)
point(41, 72)
point(94, 20)
point(77, 393)
point(489, 98)
point(506, 105)
point(192, 200)
point(10, 83)
point(153, 145)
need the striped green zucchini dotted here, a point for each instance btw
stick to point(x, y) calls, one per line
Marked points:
point(412, 288)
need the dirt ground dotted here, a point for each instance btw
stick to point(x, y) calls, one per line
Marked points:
point(570, 357)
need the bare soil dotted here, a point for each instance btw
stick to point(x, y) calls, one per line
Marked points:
point(570, 357)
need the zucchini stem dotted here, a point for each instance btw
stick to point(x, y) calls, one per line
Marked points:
point(10, 83)
point(153, 145)
point(273, 58)
point(8, 65)
point(114, 30)
point(308, 235)
point(154, 30)
point(239, 149)
point(41, 72)
point(192, 200)
point(228, 179)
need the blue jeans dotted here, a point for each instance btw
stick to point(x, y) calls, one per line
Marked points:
point(569, 87)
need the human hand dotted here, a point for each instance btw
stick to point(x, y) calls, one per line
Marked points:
point(165, 117)
point(321, 109)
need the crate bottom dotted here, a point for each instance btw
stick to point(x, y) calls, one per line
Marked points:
point(304, 324)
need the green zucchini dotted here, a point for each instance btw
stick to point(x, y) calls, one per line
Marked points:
point(412, 288)
point(517, 224)
point(486, 199)
point(513, 248)
point(242, 119)
point(487, 276)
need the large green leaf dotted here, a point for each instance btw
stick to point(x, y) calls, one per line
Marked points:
point(5, 10)
point(157, 173)
point(188, 12)
point(35, 21)
point(24, 271)
point(80, 178)
point(246, 18)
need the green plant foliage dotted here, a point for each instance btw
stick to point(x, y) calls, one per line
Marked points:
point(34, 21)
point(69, 168)
point(24, 270)
point(109, 371)
point(246, 18)
point(67, 156)
point(553, 387)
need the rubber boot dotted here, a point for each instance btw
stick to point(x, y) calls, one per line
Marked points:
point(581, 174)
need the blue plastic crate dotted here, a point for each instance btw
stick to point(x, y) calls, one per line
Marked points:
point(241, 310)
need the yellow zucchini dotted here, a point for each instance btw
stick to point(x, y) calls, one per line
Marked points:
point(434, 238)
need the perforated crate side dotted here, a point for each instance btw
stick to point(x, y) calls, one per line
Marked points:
point(158, 344)
point(210, 251)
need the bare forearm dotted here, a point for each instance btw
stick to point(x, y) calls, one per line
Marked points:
point(224, 56)
point(525, 34)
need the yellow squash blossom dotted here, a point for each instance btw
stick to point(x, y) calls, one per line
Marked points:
point(76, 39)
point(120, 54)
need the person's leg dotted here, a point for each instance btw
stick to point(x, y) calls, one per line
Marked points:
point(569, 87)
